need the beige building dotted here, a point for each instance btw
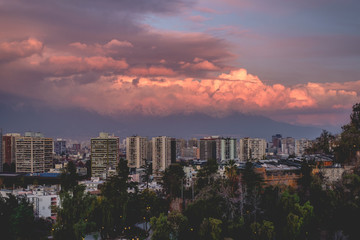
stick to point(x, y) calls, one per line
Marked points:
point(136, 151)
point(252, 149)
point(301, 145)
point(104, 155)
point(33, 153)
point(163, 153)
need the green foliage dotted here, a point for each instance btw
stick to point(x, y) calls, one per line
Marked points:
point(262, 231)
point(17, 220)
point(206, 174)
point(210, 228)
point(161, 228)
point(172, 180)
point(69, 177)
point(74, 218)
point(322, 144)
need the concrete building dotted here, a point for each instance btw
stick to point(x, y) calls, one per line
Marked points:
point(228, 150)
point(8, 147)
point(104, 155)
point(136, 151)
point(208, 147)
point(163, 153)
point(301, 145)
point(33, 153)
point(288, 146)
point(1, 151)
point(252, 149)
point(60, 146)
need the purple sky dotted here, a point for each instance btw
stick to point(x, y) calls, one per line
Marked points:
point(293, 61)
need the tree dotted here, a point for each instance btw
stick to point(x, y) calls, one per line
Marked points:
point(349, 143)
point(161, 228)
point(206, 174)
point(147, 173)
point(69, 177)
point(172, 180)
point(322, 144)
point(210, 228)
point(232, 175)
point(263, 231)
point(74, 217)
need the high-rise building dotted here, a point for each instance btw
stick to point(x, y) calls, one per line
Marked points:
point(8, 148)
point(1, 151)
point(228, 150)
point(288, 146)
point(136, 151)
point(33, 153)
point(276, 143)
point(252, 149)
point(60, 146)
point(208, 147)
point(163, 153)
point(104, 155)
point(301, 145)
point(180, 145)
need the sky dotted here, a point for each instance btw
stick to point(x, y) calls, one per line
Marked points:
point(292, 61)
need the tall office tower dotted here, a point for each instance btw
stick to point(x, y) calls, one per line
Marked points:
point(288, 146)
point(136, 151)
point(60, 146)
point(228, 150)
point(104, 155)
point(193, 142)
point(252, 149)
point(301, 145)
point(180, 146)
point(163, 153)
point(33, 153)
point(1, 151)
point(208, 147)
point(149, 151)
point(8, 148)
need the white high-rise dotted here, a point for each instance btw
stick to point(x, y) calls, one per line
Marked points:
point(252, 149)
point(164, 152)
point(136, 151)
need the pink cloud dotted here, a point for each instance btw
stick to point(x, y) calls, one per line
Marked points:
point(20, 49)
point(152, 71)
point(74, 64)
point(200, 64)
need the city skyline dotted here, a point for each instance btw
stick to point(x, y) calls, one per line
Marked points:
point(291, 62)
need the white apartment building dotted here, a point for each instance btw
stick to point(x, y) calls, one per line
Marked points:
point(252, 149)
point(136, 151)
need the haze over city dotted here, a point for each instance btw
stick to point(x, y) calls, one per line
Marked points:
point(64, 64)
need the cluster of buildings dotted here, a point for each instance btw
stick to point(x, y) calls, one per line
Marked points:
point(34, 153)
point(37, 158)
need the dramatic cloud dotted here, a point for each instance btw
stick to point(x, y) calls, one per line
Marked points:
point(13, 50)
point(160, 57)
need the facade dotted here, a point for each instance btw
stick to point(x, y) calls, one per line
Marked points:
point(1, 151)
point(8, 147)
point(288, 146)
point(208, 147)
point(228, 149)
point(104, 155)
point(136, 151)
point(163, 153)
point(301, 145)
point(33, 154)
point(252, 149)
point(60, 147)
